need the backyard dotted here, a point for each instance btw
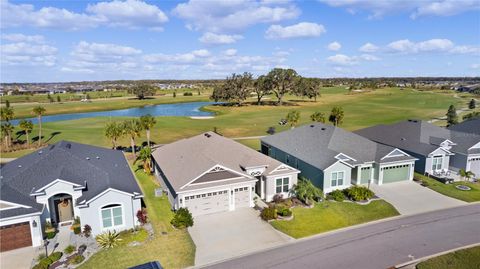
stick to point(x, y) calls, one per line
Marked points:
point(172, 248)
point(329, 215)
point(472, 195)
point(465, 258)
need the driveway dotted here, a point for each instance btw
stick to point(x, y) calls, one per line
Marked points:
point(18, 258)
point(412, 198)
point(226, 235)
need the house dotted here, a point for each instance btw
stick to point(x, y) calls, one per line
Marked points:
point(437, 149)
point(468, 126)
point(61, 182)
point(333, 158)
point(209, 173)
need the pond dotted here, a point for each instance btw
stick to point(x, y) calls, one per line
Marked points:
point(180, 109)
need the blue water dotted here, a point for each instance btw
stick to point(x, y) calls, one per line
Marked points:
point(180, 109)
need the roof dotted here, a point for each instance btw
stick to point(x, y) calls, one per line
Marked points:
point(419, 137)
point(97, 168)
point(320, 145)
point(468, 126)
point(191, 159)
point(148, 265)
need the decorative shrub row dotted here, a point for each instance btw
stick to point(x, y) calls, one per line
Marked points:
point(336, 195)
point(354, 193)
point(46, 262)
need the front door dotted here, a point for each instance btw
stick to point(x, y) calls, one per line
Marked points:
point(65, 210)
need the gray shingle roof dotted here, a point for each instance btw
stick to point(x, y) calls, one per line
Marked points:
point(98, 168)
point(186, 159)
point(418, 136)
point(318, 144)
point(468, 126)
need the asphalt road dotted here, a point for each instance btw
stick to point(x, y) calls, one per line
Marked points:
point(379, 245)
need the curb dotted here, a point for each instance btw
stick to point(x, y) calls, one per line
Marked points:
point(402, 265)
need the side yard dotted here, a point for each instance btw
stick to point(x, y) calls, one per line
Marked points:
point(173, 248)
point(465, 258)
point(329, 215)
point(450, 190)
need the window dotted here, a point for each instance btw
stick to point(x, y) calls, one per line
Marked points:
point(287, 159)
point(282, 185)
point(437, 163)
point(112, 216)
point(337, 178)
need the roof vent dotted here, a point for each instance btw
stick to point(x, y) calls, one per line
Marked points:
point(312, 125)
point(40, 152)
point(207, 135)
point(88, 158)
point(68, 146)
point(323, 129)
point(97, 157)
point(19, 166)
point(403, 139)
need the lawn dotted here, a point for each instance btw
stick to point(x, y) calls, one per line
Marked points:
point(465, 258)
point(381, 106)
point(328, 215)
point(449, 189)
point(175, 249)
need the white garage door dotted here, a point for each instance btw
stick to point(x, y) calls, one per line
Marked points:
point(242, 197)
point(475, 166)
point(207, 203)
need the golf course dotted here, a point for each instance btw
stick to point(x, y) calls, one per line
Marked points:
point(362, 109)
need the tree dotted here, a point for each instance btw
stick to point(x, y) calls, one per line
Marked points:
point(336, 116)
point(7, 129)
point(472, 104)
point(113, 131)
point(262, 87)
point(39, 111)
point(132, 128)
point(182, 218)
point(318, 117)
point(467, 175)
point(142, 90)
point(59, 99)
point(27, 127)
point(7, 103)
point(282, 82)
point(6, 113)
point(306, 191)
point(307, 87)
point(452, 117)
point(145, 156)
point(293, 117)
point(147, 122)
point(236, 88)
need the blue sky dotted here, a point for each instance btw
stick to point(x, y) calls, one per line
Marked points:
point(46, 41)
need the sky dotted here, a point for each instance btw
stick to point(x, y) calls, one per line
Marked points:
point(59, 41)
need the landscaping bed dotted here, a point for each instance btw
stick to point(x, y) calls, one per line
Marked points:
point(465, 258)
point(451, 190)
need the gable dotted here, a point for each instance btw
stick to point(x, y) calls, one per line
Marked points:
point(344, 157)
point(283, 168)
point(58, 185)
point(440, 151)
point(395, 153)
point(215, 174)
point(5, 205)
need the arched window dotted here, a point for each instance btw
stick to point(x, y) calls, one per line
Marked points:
point(112, 216)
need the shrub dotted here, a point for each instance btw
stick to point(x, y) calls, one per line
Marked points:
point(336, 195)
point(76, 259)
point(108, 239)
point(142, 216)
point(69, 249)
point(187, 94)
point(87, 230)
point(48, 225)
point(359, 193)
point(44, 263)
point(306, 191)
point(182, 219)
point(77, 229)
point(55, 256)
point(284, 212)
point(76, 221)
point(50, 234)
point(269, 213)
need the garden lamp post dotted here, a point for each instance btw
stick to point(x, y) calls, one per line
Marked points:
point(45, 244)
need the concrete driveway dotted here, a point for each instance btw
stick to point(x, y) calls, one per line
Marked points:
point(225, 235)
point(18, 258)
point(412, 198)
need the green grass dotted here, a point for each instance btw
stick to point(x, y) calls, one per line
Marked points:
point(465, 258)
point(252, 143)
point(449, 189)
point(327, 216)
point(174, 249)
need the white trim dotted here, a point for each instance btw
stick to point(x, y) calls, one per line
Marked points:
point(86, 202)
point(219, 187)
point(348, 157)
point(213, 167)
point(214, 181)
point(283, 184)
point(284, 166)
point(339, 161)
point(343, 178)
point(56, 181)
point(444, 149)
point(13, 205)
point(113, 227)
point(396, 155)
point(476, 146)
point(21, 216)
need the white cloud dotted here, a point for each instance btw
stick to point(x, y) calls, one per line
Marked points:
point(22, 53)
point(342, 59)
point(416, 8)
point(368, 47)
point(432, 45)
point(466, 50)
point(128, 13)
point(232, 16)
point(334, 46)
point(300, 30)
point(23, 38)
point(201, 53)
point(104, 49)
point(369, 57)
point(211, 38)
point(230, 52)
point(475, 66)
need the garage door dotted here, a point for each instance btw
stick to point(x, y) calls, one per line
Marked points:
point(15, 236)
point(242, 197)
point(395, 173)
point(207, 203)
point(365, 175)
point(475, 166)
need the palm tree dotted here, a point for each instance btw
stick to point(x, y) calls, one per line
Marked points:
point(27, 127)
point(467, 175)
point(336, 116)
point(39, 111)
point(145, 155)
point(293, 117)
point(6, 113)
point(306, 191)
point(132, 128)
point(7, 129)
point(113, 131)
point(147, 122)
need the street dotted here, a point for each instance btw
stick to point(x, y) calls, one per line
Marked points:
point(379, 245)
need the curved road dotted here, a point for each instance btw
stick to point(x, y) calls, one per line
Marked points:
point(378, 245)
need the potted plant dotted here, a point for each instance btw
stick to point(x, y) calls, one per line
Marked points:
point(77, 229)
point(50, 230)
